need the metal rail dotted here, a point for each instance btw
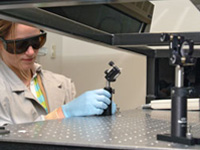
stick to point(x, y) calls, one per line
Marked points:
point(13, 4)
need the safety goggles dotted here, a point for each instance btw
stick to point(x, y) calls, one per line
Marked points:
point(19, 46)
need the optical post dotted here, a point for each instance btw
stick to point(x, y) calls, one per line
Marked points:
point(111, 76)
point(181, 55)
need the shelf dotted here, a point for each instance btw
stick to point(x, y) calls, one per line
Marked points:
point(32, 12)
point(10, 4)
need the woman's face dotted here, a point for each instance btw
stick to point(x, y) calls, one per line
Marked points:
point(25, 60)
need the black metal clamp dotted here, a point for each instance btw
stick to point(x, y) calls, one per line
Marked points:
point(111, 76)
point(181, 55)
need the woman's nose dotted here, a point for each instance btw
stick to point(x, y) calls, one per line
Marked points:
point(30, 51)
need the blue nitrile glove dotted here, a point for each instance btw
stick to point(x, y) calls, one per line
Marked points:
point(89, 103)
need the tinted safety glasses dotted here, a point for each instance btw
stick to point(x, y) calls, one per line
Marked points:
point(19, 46)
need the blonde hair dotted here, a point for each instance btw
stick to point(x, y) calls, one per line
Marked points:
point(5, 27)
point(8, 28)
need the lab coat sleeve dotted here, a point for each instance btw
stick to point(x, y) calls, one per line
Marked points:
point(4, 108)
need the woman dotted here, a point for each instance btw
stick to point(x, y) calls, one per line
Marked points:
point(29, 93)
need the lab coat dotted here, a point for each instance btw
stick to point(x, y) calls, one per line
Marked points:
point(17, 103)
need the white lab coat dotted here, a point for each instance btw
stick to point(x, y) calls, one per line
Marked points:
point(17, 103)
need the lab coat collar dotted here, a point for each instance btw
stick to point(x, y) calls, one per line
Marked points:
point(37, 68)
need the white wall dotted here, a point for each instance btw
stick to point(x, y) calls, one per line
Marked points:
point(86, 62)
point(52, 64)
point(175, 15)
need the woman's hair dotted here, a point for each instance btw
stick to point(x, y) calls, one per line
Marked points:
point(5, 27)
